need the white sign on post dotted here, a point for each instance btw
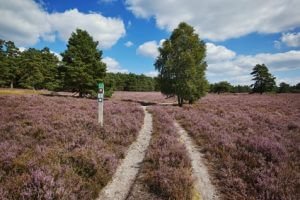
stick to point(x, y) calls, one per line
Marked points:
point(100, 103)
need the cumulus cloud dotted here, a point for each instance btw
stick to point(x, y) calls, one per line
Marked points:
point(150, 48)
point(128, 44)
point(113, 65)
point(104, 29)
point(25, 22)
point(219, 20)
point(236, 68)
point(218, 53)
point(291, 39)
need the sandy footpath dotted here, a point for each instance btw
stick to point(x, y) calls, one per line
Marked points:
point(203, 184)
point(125, 175)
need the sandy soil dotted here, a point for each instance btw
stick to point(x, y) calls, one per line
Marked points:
point(203, 184)
point(126, 173)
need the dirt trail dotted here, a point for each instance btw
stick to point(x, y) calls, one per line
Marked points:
point(203, 184)
point(125, 175)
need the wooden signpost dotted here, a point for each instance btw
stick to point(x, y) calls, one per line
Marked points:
point(100, 103)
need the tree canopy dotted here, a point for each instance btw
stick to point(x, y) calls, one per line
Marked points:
point(264, 81)
point(221, 87)
point(9, 63)
point(181, 65)
point(83, 66)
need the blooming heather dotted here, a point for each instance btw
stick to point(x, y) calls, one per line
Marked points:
point(151, 97)
point(53, 147)
point(252, 143)
point(166, 170)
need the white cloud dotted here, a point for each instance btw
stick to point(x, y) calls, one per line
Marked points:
point(291, 81)
point(218, 53)
point(277, 44)
point(291, 39)
point(104, 29)
point(25, 22)
point(128, 44)
point(219, 20)
point(113, 65)
point(237, 68)
point(151, 73)
point(150, 48)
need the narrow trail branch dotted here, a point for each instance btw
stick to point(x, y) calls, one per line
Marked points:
point(203, 184)
point(125, 175)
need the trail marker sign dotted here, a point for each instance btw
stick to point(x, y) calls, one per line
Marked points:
point(100, 103)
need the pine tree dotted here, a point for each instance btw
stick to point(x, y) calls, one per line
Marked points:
point(9, 63)
point(83, 66)
point(264, 81)
point(31, 70)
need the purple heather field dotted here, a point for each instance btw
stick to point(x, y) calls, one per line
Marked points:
point(166, 172)
point(53, 148)
point(251, 143)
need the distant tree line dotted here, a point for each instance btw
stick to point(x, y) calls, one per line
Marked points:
point(80, 70)
point(264, 82)
point(181, 66)
point(32, 68)
point(225, 87)
point(131, 82)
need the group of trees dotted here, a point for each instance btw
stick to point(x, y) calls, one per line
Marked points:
point(224, 86)
point(181, 66)
point(131, 82)
point(264, 82)
point(80, 70)
point(31, 68)
point(285, 88)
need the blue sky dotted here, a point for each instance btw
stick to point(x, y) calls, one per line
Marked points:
point(238, 34)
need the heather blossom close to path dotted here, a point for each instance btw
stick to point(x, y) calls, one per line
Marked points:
point(251, 143)
point(147, 97)
point(166, 171)
point(53, 147)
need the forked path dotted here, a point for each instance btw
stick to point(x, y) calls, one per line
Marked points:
point(125, 175)
point(203, 184)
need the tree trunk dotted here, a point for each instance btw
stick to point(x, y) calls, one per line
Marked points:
point(12, 84)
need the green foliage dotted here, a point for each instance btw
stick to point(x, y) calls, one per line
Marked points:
point(283, 87)
point(39, 69)
point(241, 89)
point(181, 65)
point(130, 82)
point(9, 63)
point(36, 69)
point(83, 66)
point(109, 84)
point(221, 87)
point(264, 81)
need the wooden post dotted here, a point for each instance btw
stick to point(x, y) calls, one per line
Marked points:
point(100, 103)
